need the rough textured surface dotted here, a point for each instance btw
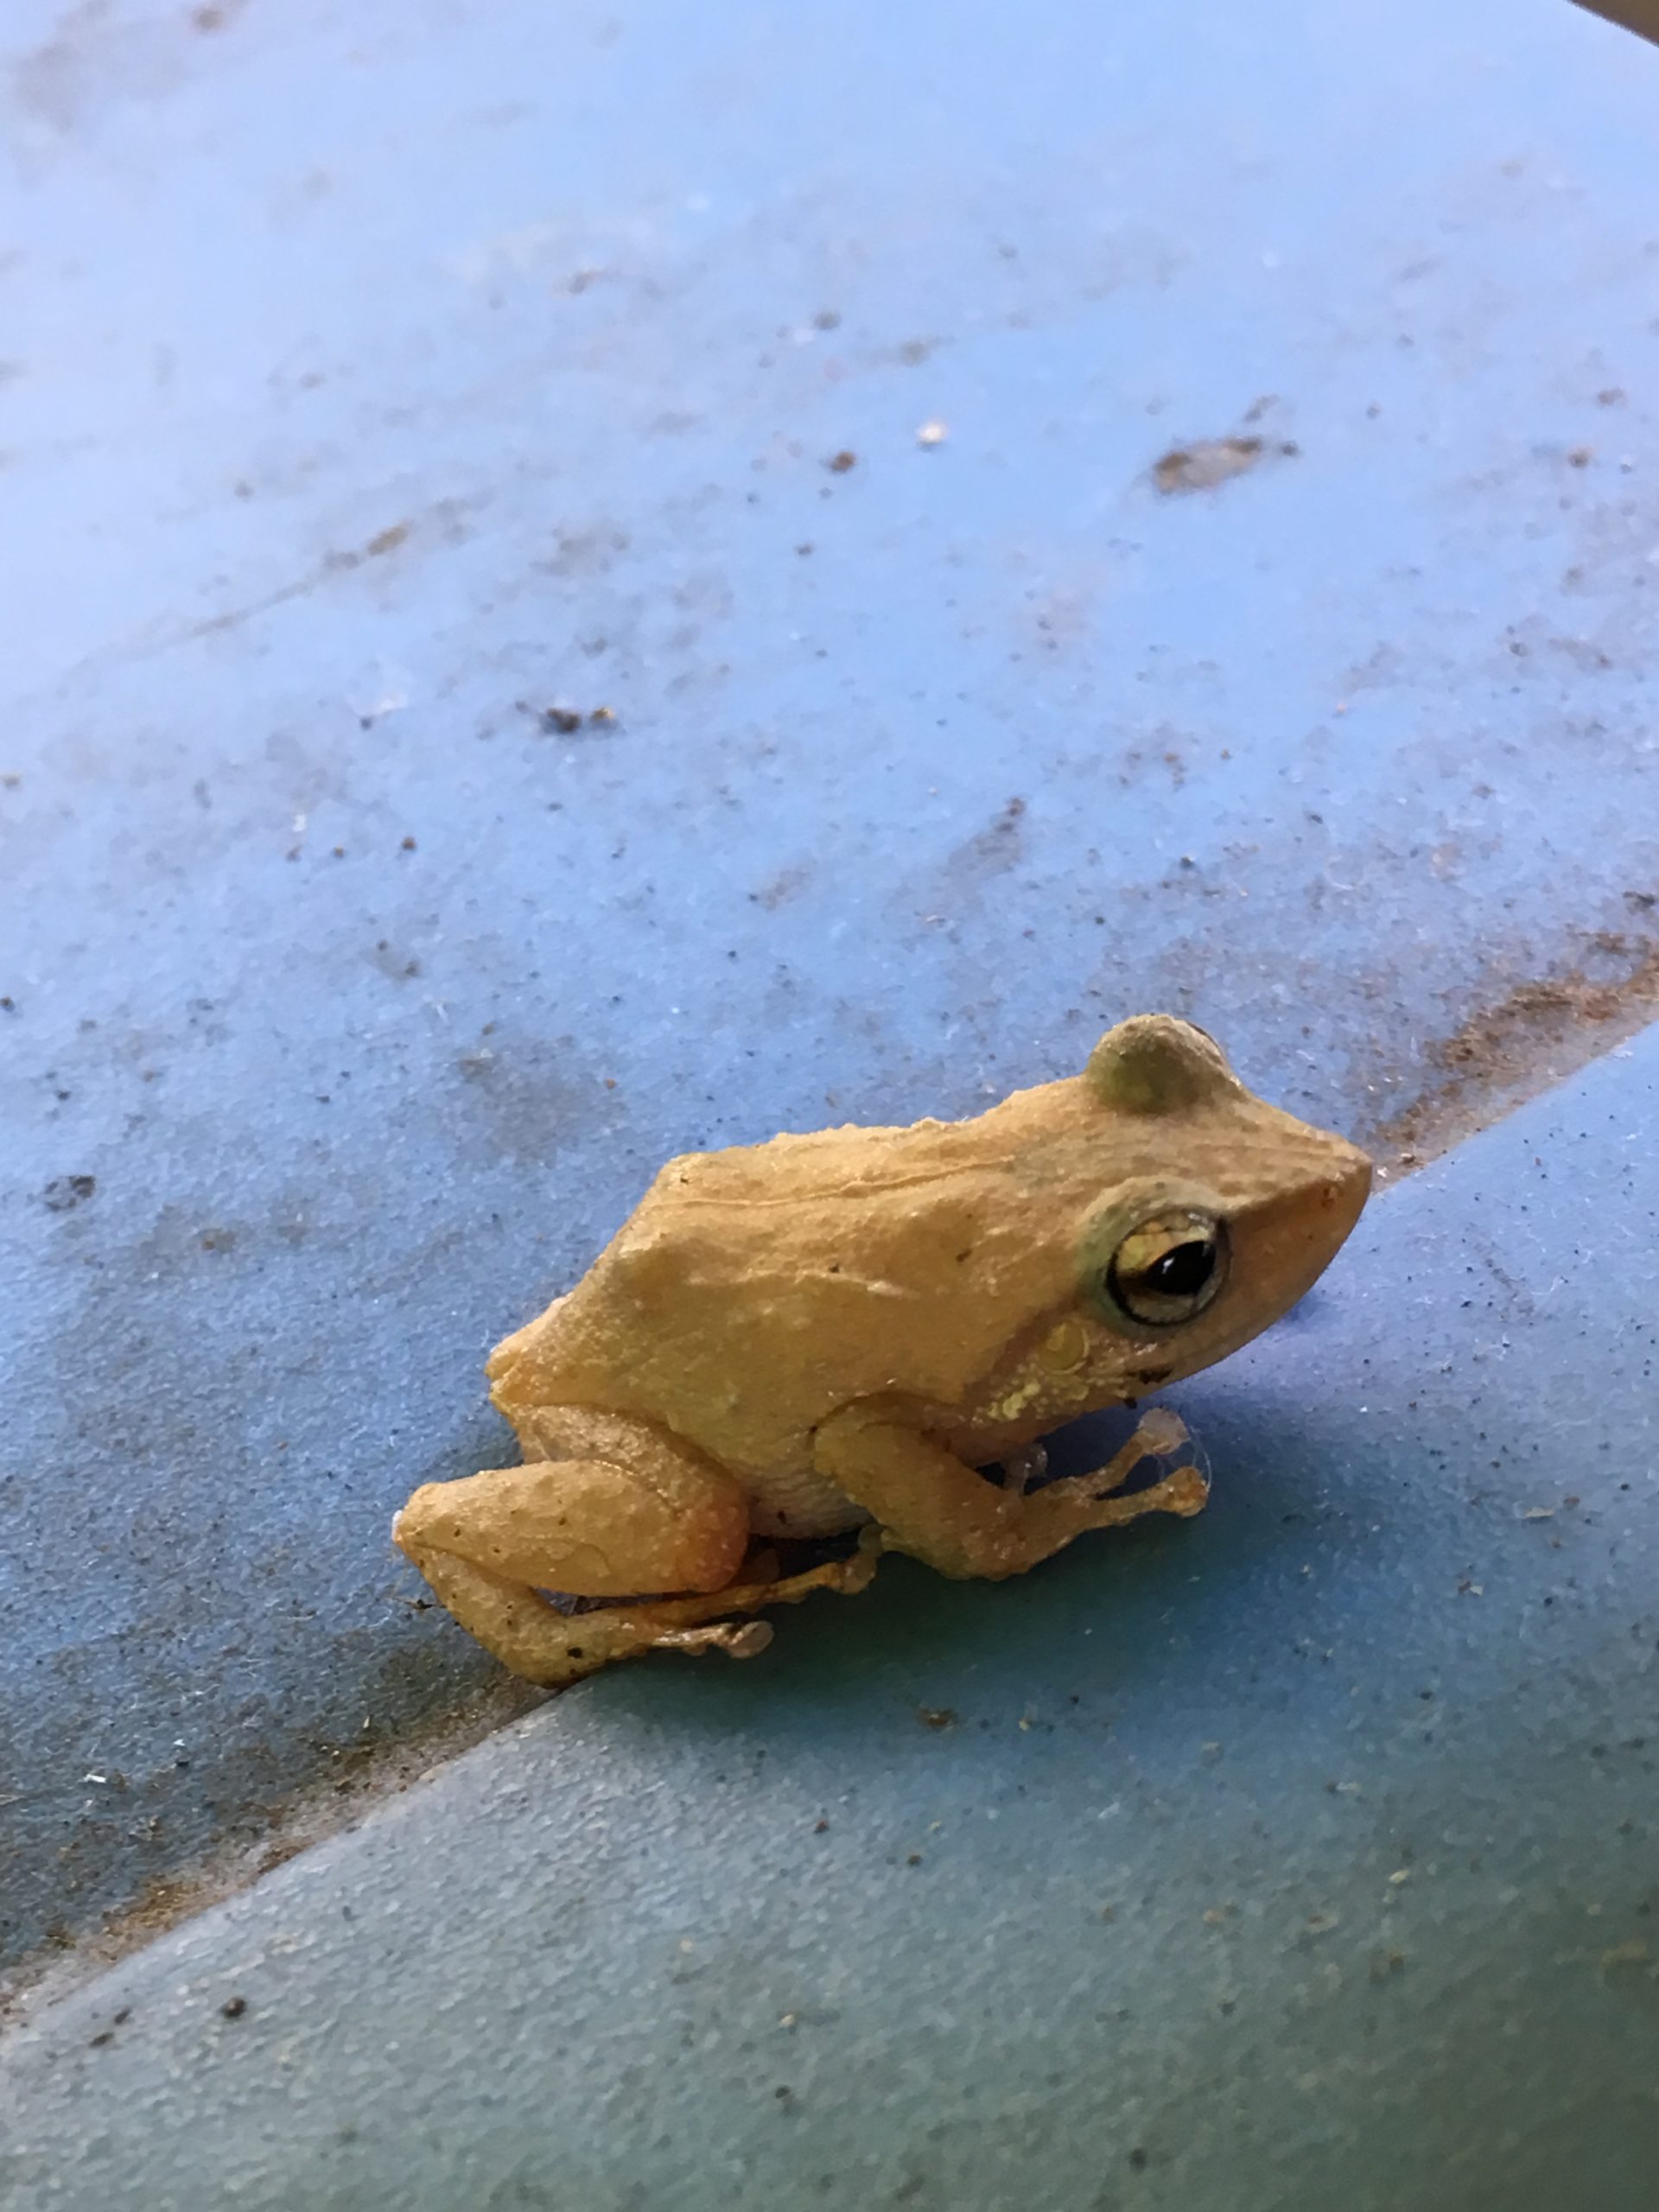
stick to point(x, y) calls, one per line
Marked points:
point(390, 390)
point(1300, 1856)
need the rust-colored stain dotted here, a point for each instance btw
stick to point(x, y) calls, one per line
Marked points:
point(1540, 1032)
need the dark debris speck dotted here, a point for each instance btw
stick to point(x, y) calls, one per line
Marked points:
point(65, 1191)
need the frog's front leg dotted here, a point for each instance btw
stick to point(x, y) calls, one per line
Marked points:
point(929, 1503)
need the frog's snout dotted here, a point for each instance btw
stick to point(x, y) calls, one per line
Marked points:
point(1346, 1185)
point(1356, 1171)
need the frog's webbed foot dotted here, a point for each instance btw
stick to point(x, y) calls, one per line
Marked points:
point(1158, 1435)
point(929, 1503)
point(1077, 1503)
point(533, 1638)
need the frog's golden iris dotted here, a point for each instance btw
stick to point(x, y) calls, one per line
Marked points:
point(1167, 1269)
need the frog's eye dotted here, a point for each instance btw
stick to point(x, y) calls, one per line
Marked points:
point(1168, 1268)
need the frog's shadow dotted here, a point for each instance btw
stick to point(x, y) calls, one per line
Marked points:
point(1113, 1612)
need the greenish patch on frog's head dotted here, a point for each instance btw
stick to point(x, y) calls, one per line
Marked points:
point(1157, 1063)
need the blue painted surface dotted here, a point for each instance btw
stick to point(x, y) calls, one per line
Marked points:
point(1299, 1856)
point(381, 377)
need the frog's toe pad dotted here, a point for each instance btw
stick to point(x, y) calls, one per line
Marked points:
point(1184, 1491)
point(1160, 1431)
point(737, 1639)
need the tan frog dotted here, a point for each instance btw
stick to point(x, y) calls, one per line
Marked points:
point(832, 1333)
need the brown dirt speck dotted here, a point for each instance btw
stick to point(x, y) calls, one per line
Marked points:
point(64, 1192)
point(1206, 463)
point(782, 887)
point(565, 721)
point(839, 463)
point(998, 845)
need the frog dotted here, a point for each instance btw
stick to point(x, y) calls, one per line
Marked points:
point(839, 1345)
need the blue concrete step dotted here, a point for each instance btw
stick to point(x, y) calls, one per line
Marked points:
point(1299, 1856)
point(384, 386)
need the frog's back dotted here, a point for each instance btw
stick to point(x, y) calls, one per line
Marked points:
point(754, 1290)
point(800, 1173)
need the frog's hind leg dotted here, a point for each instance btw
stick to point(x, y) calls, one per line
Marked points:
point(610, 1506)
point(535, 1640)
point(613, 1507)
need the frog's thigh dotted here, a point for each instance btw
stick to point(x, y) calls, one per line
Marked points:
point(593, 1528)
point(932, 1505)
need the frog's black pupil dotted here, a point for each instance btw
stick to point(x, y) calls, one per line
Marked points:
point(1183, 1271)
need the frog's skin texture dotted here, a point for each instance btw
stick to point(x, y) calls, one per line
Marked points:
point(832, 1333)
